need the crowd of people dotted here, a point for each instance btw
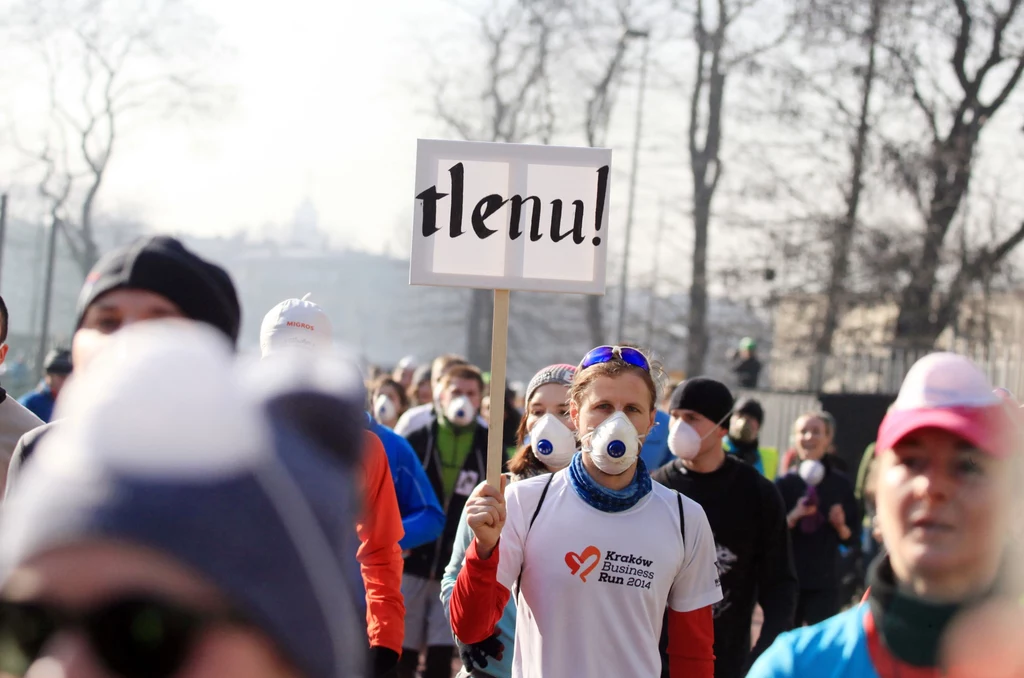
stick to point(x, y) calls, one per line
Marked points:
point(175, 510)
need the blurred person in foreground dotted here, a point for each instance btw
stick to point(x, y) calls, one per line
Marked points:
point(302, 326)
point(152, 278)
point(948, 467)
point(15, 419)
point(56, 369)
point(138, 547)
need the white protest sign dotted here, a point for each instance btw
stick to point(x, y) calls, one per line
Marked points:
point(510, 217)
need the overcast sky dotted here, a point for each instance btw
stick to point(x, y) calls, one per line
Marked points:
point(323, 111)
point(329, 101)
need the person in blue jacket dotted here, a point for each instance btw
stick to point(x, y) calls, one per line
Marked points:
point(422, 515)
point(41, 401)
point(948, 458)
point(655, 452)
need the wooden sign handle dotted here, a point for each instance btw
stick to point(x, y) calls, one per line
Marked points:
point(496, 420)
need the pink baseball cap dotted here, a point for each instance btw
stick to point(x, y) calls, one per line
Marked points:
point(947, 391)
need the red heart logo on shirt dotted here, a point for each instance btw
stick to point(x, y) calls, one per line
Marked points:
point(577, 562)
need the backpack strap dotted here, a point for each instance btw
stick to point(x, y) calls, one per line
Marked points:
point(544, 493)
point(682, 520)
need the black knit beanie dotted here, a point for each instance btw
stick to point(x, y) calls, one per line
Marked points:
point(751, 408)
point(707, 397)
point(162, 265)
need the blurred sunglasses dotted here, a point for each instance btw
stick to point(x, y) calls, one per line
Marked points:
point(604, 354)
point(135, 636)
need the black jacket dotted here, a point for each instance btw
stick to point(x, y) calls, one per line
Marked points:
point(817, 553)
point(429, 560)
point(755, 561)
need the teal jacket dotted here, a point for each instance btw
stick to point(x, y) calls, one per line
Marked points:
point(506, 628)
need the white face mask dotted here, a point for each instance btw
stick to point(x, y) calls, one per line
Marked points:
point(552, 442)
point(384, 409)
point(614, 444)
point(813, 472)
point(683, 441)
point(461, 411)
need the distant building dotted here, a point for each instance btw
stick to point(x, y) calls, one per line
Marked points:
point(987, 328)
point(379, 315)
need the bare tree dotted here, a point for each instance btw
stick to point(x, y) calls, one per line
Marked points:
point(108, 66)
point(514, 105)
point(716, 57)
point(600, 99)
point(845, 227)
point(986, 63)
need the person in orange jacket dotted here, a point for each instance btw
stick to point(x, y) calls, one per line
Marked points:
point(380, 559)
point(302, 324)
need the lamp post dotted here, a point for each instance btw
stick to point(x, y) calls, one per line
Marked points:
point(623, 284)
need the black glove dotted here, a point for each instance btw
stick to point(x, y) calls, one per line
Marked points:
point(475, 656)
point(383, 661)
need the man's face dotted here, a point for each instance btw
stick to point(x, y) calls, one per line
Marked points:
point(456, 387)
point(710, 433)
point(3, 353)
point(744, 428)
point(111, 312)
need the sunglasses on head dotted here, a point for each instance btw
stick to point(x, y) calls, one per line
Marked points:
point(604, 354)
point(136, 636)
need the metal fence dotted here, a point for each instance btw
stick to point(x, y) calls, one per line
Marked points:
point(882, 370)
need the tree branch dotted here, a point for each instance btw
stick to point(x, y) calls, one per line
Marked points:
point(908, 71)
point(973, 270)
point(963, 40)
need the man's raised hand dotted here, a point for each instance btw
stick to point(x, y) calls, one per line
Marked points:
point(485, 512)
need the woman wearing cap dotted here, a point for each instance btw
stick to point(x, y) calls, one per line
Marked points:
point(947, 454)
point(822, 514)
point(602, 556)
point(135, 547)
point(550, 448)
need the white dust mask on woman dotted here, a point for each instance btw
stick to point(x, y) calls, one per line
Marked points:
point(552, 442)
point(460, 411)
point(384, 409)
point(812, 471)
point(614, 444)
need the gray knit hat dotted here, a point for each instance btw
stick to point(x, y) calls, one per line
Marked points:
point(253, 489)
point(552, 374)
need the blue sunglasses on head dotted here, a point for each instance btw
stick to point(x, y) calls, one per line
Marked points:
point(604, 354)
